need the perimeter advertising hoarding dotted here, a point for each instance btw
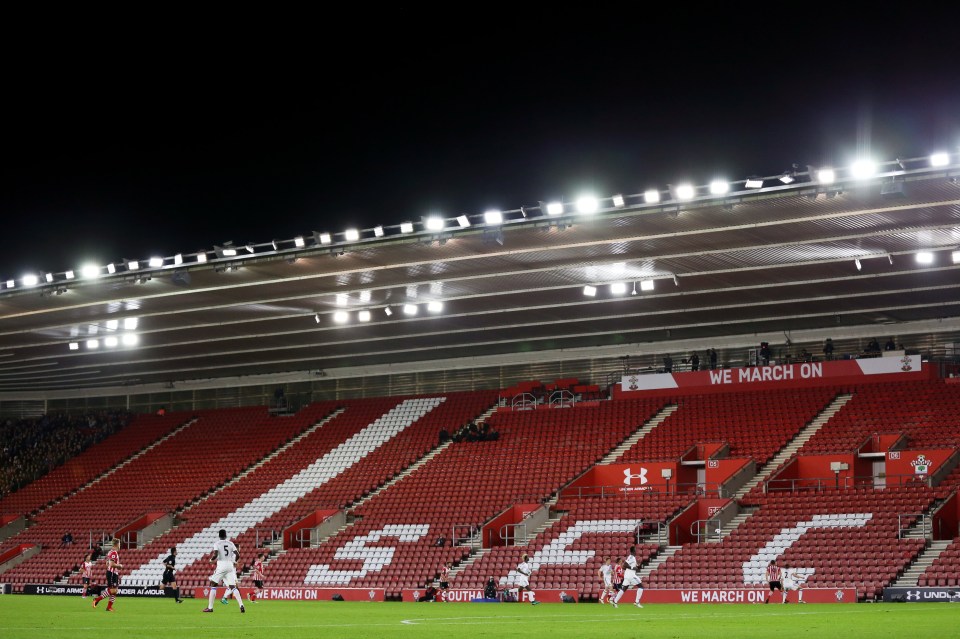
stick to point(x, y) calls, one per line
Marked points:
point(304, 594)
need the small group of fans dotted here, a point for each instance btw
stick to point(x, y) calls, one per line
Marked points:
point(618, 577)
point(225, 554)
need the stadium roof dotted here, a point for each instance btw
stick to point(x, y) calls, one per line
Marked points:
point(725, 268)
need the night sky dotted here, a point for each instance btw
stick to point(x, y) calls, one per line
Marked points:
point(126, 143)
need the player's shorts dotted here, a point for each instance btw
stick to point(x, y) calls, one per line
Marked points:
point(522, 581)
point(631, 580)
point(113, 579)
point(607, 583)
point(226, 572)
point(775, 585)
point(258, 583)
point(444, 585)
point(791, 585)
point(618, 585)
point(85, 580)
point(168, 577)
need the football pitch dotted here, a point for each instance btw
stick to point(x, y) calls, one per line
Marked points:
point(33, 617)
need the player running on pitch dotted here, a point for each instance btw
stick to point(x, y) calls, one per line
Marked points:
point(225, 553)
point(113, 576)
point(793, 579)
point(169, 580)
point(774, 578)
point(630, 578)
point(522, 580)
point(606, 582)
point(257, 579)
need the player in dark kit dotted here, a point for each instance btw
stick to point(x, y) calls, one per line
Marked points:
point(169, 581)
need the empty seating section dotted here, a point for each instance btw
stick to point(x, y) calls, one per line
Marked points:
point(928, 412)
point(945, 569)
point(142, 431)
point(371, 441)
point(467, 484)
point(754, 424)
point(198, 458)
point(849, 537)
point(568, 554)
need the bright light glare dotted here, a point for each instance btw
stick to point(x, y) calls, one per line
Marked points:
point(111, 268)
point(652, 196)
point(325, 238)
point(826, 176)
point(940, 159)
point(753, 183)
point(111, 342)
point(352, 235)
point(618, 288)
point(132, 265)
point(719, 187)
point(130, 339)
point(90, 271)
point(862, 169)
point(857, 263)
point(113, 324)
point(493, 216)
point(364, 296)
point(229, 252)
point(156, 262)
point(588, 204)
point(48, 277)
point(406, 227)
point(463, 221)
point(11, 283)
point(201, 258)
point(93, 344)
point(618, 201)
point(435, 307)
point(69, 275)
point(554, 208)
point(378, 231)
point(340, 317)
point(177, 260)
point(685, 192)
point(299, 242)
point(130, 323)
point(341, 299)
point(434, 223)
point(646, 285)
point(924, 257)
point(409, 309)
point(590, 291)
point(956, 257)
point(363, 316)
point(74, 346)
point(30, 280)
point(387, 311)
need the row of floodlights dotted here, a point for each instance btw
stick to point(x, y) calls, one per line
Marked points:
point(112, 341)
point(410, 310)
point(619, 288)
point(586, 204)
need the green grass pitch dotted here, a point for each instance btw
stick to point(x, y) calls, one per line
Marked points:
point(37, 617)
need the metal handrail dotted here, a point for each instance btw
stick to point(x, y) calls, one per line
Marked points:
point(562, 398)
point(457, 531)
point(304, 541)
point(508, 539)
point(818, 484)
point(916, 517)
point(523, 401)
point(269, 536)
point(669, 488)
point(713, 529)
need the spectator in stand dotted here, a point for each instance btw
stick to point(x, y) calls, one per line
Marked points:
point(667, 364)
point(712, 354)
point(67, 539)
point(765, 353)
point(803, 355)
point(890, 345)
point(695, 362)
point(828, 349)
point(490, 589)
point(873, 346)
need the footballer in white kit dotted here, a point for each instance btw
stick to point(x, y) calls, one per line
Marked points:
point(226, 555)
point(630, 578)
point(793, 579)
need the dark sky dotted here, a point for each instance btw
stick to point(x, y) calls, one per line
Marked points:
point(170, 138)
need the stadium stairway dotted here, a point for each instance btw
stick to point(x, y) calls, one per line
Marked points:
point(791, 449)
point(923, 562)
point(743, 514)
point(658, 560)
point(642, 432)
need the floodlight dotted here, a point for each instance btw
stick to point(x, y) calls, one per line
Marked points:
point(364, 296)
point(111, 342)
point(587, 204)
point(435, 306)
point(787, 178)
point(826, 175)
point(956, 257)
point(111, 268)
point(940, 159)
point(857, 263)
point(378, 231)
point(113, 324)
point(618, 288)
point(351, 235)
point(753, 182)
point(363, 316)
point(48, 277)
point(652, 196)
point(463, 221)
point(249, 248)
point(30, 280)
point(719, 187)
point(924, 257)
point(324, 238)
point(554, 208)
point(406, 227)
point(341, 317)
point(685, 192)
point(89, 271)
point(618, 201)
point(130, 323)
point(132, 265)
point(434, 223)
point(93, 344)
point(646, 285)
point(493, 216)
point(299, 242)
point(177, 260)
point(342, 299)
point(130, 339)
point(409, 309)
point(316, 317)
point(862, 169)
point(69, 275)
point(11, 283)
point(73, 346)
point(155, 262)
point(590, 291)
point(387, 311)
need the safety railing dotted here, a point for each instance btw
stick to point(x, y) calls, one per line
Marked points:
point(668, 488)
point(264, 536)
point(509, 533)
point(562, 399)
point(704, 530)
point(523, 401)
point(905, 521)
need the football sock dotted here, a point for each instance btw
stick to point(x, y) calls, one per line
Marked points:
point(110, 602)
point(236, 595)
point(619, 594)
point(176, 593)
point(639, 594)
point(213, 595)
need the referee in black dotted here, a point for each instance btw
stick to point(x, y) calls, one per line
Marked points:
point(169, 581)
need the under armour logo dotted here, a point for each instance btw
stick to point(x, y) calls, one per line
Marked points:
point(627, 477)
point(913, 595)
